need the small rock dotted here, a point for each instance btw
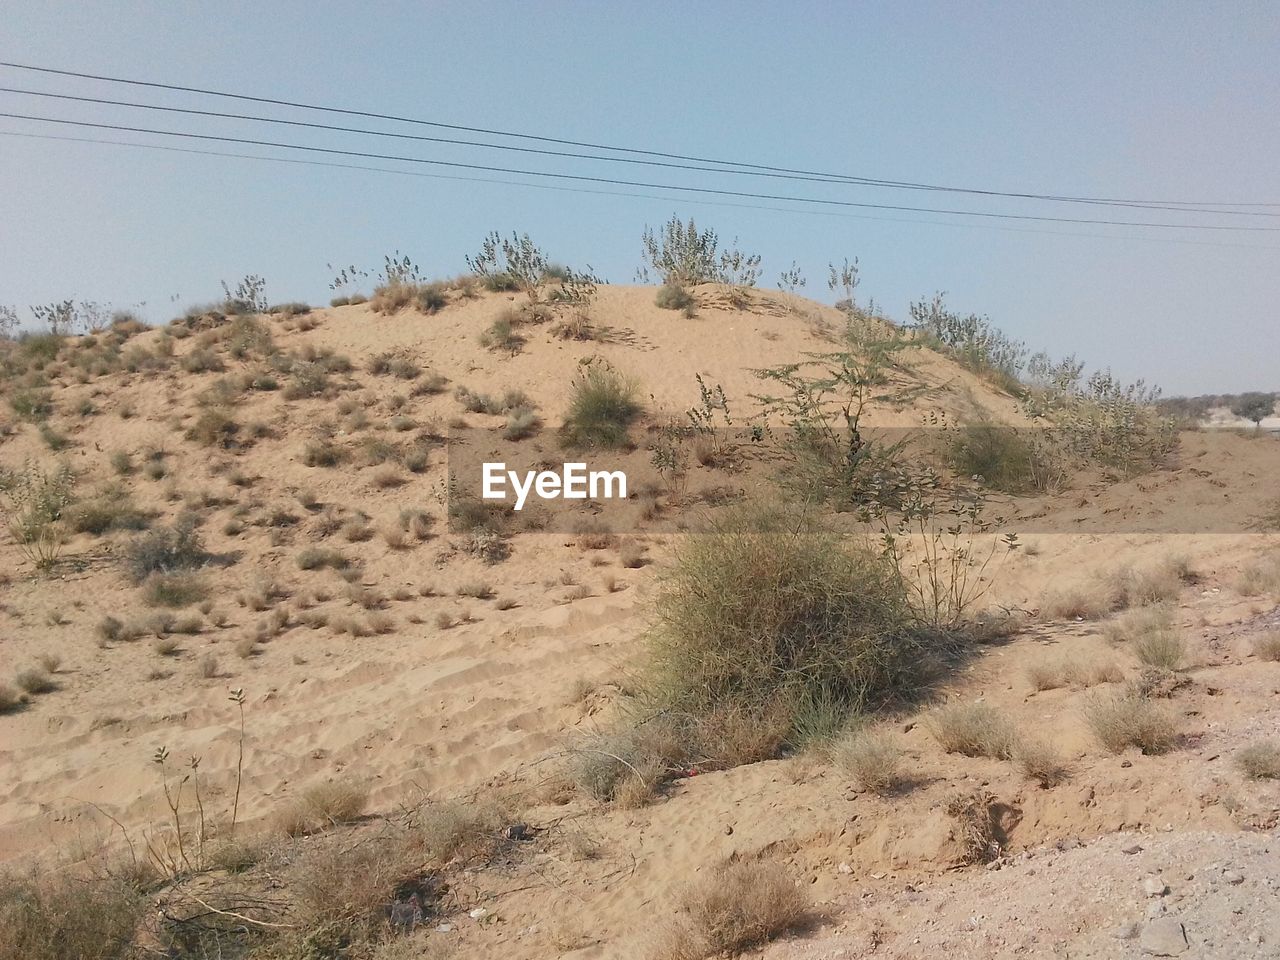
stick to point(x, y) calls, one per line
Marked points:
point(845, 869)
point(1132, 849)
point(1233, 877)
point(444, 928)
point(1126, 931)
point(479, 913)
point(1165, 937)
point(1154, 887)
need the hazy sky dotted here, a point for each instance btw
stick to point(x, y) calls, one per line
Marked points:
point(1157, 101)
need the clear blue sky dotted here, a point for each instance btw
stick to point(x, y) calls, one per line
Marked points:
point(1148, 100)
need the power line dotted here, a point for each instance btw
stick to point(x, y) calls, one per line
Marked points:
point(543, 152)
point(898, 184)
point(641, 196)
point(642, 184)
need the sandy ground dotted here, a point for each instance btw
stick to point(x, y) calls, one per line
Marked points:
point(423, 711)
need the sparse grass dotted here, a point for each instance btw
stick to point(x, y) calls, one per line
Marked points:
point(1125, 719)
point(456, 831)
point(870, 758)
point(1120, 590)
point(49, 662)
point(734, 908)
point(165, 646)
point(1073, 671)
point(974, 730)
point(324, 805)
point(601, 408)
point(1260, 761)
point(1138, 623)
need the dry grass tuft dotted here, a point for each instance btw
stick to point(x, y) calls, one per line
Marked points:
point(1120, 590)
point(1073, 672)
point(48, 918)
point(872, 759)
point(324, 805)
point(974, 730)
point(1260, 761)
point(1126, 719)
point(740, 906)
point(1267, 645)
point(1040, 762)
point(461, 831)
point(975, 825)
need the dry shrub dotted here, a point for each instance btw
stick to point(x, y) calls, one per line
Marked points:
point(974, 730)
point(870, 758)
point(1126, 719)
point(461, 831)
point(1040, 761)
point(34, 680)
point(1119, 590)
point(1162, 649)
point(340, 891)
point(1258, 578)
point(975, 825)
point(174, 589)
point(1260, 761)
point(1137, 623)
point(324, 805)
point(742, 905)
point(62, 918)
point(1073, 672)
point(1267, 646)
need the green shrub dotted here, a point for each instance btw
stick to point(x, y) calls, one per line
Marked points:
point(767, 615)
point(1006, 458)
point(601, 408)
point(672, 296)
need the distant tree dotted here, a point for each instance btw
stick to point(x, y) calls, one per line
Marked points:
point(1254, 406)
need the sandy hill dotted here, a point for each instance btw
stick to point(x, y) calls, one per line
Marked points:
point(408, 663)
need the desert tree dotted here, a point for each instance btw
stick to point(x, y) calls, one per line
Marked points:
point(1255, 407)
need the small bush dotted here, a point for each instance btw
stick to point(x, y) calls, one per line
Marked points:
point(325, 805)
point(10, 699)
point(1163, 649)
point(1126, 719)
point(601, 408)
point(1006, 458)
point(1040, 762)
point(165, 550)
point(174, 589)
point(766, 615)
point(1260, 761)
point(502, 336)
point(1267, 646)
point(321, 453)
point(214, 428)
point(34, 680)
point(317, 558)
point(672, 296)
point(871, 759)
point(736, 907)
point(459, 832)
point(974, 730)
